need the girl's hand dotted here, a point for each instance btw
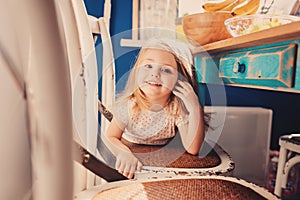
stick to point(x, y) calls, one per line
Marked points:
point(127, 164)
point(186, 93)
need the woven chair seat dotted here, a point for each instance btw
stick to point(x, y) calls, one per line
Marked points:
point(161, 156)
point(171, 160)
point(187, 188)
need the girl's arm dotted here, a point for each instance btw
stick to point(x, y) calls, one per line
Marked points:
point(126, 162)
point(192, 133)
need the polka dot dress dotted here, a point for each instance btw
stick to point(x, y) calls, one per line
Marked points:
point(147, 127)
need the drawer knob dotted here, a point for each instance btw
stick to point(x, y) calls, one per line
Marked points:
point(239, 68)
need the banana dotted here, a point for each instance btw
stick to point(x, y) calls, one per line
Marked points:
point(212, 6)
point(250, 7)
point(241, 4)
point(232, 5)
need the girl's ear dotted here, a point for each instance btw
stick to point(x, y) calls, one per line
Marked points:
point(177, 84)
point(181, 77)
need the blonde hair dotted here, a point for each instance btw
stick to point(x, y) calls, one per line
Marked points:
point(186, 72)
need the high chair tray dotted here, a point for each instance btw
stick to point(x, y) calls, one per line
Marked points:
point(172, 160)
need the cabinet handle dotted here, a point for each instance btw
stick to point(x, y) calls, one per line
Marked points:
point(239, 68)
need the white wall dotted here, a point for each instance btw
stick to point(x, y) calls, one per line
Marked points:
point(189, 7)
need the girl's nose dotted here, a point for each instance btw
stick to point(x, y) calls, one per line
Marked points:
point(155, 72)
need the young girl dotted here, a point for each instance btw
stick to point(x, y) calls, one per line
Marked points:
point(160, 95)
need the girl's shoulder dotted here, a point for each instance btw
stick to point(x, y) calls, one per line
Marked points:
point(123, 107)
point(121, 111)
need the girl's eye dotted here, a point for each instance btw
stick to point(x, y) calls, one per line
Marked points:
point(166, 70)
point(148, 66)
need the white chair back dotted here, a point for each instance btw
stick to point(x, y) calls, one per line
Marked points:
point(79, 30)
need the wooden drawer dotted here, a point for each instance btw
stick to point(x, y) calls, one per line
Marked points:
point(273, 66)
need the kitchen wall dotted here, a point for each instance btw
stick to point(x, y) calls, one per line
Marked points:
point(285, 106)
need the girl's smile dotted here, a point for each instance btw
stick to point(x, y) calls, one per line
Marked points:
point(154, 83)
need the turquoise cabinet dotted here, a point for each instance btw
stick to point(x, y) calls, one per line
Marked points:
point(266, 66)
point(265, 63)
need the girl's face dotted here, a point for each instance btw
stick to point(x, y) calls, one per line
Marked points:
point(157, 73)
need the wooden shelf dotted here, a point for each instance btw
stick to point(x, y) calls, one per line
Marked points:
point(282, 33)
point(277, 34)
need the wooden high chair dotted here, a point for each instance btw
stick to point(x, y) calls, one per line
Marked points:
point(45, 113)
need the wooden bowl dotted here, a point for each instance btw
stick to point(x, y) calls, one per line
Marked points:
point(204, 28)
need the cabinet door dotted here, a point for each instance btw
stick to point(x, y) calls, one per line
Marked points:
point(272, 66)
